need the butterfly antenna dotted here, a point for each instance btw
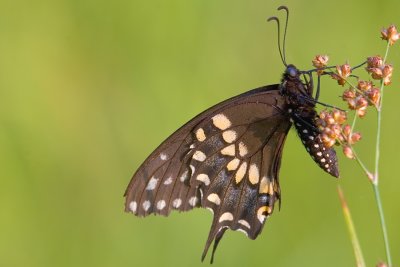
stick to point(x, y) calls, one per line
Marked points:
point(279, 38)
point(286, 26)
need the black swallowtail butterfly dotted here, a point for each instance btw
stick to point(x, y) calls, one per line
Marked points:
point(227, 158)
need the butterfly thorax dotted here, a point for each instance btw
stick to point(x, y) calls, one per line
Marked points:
point(296, 92)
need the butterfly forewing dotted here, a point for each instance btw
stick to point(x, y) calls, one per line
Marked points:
point(226, 159)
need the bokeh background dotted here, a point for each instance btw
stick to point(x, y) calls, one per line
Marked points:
point(89, 88)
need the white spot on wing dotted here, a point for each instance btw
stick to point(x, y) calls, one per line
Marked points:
point(221, 121)
point(193, 169)
point(227, 216)
point(161, 204)
point(203, 178)
point(199, 156)
point(193, 201)
point(319, 154)
point(168, 181)
point(176, 203)
point(163, 156)
point(152, 183)
point(184, 176)
point(146, 205)
point(133, 206)
point(214, 198)
point(244, 223)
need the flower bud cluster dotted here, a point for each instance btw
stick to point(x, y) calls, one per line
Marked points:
point(378, 70)
point(334, 131)
point(320, 62)
point(342, 73)
point(390, 34)
point(359, 98)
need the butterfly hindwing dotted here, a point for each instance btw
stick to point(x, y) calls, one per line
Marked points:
point(226, 159)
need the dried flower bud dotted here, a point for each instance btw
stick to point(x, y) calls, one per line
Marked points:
point(348, 152)
point(374, 95)
point(339, 116)
point(355, 137)
point(364, 85)
point(376, 73)
point(328, 141)
point(342, 73)
point(361, 106)
point(374, 62)
point(347, 130)
point(361, 102)
point(320, 62)
point(352, 104)
point(361, 112)
point(348, 94)
point(390, 34)
point(387, 74)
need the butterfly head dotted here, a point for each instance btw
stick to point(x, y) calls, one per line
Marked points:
point(291, 73)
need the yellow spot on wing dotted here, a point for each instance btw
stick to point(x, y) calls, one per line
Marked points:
point(254, 174)
point(229, 136)
point(241, 172)
point(242, 149)
point(233, 164)
point(263, 186)
point(229, 150)
point(200, 135)
point(221, 122)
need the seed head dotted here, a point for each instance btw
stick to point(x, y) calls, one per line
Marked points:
point(374, 62)
point(342, 73)
point(390, 34)
point(348, 152)
point(374, 96)
point(320, 62)
point(364, 85)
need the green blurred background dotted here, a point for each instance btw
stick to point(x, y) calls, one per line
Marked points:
point(89, 88)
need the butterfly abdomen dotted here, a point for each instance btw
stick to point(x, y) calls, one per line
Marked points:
point(308, 132)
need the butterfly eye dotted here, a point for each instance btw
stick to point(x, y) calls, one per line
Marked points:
point(292, 71)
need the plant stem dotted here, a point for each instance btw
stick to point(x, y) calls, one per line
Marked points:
point(352, 231)
point(383, 224)
point(375, 181)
